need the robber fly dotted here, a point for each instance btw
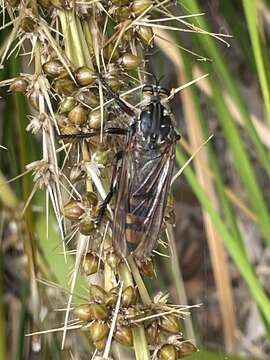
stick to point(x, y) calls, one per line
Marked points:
point(142, 177)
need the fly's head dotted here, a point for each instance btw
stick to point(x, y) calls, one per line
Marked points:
point(155, 125)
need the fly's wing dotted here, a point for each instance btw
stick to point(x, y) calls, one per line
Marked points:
point(147, 201)
point(121, 207)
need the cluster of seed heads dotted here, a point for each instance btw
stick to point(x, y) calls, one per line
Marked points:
point(73, 42)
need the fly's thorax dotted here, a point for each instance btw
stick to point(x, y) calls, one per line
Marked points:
point(154, 126)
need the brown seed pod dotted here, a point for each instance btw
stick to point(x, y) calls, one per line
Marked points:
point(146, 267)
point(59, 4)
point(90, 264)
point(98, 294)
point(94, 120)
point(167, 352)
point(78, 115)
point(90, 199)
point(120, 2)
point(99, 311)
point(129, 296)
point(98, 330)
point(114, 83)
point(62, 120)
point(44, 3)
point(122, 13)
point(100, 345)
point(101, 156)
point(83, 312)
point(73, 210)
point(186, 349)
point(113, 260)
point(54, 68)
point(111, 298)
point(33, 97)
point(88, 97)
point(28, 24)
point(170, 323)
point(20, 84)
point(67, 104)
point(130, 61)
point(87, 226)
point(85, 76)
point(145, 33)
point(139, 6)
point(123, 335)
point(107, 52)
point(69, 130)
point(152, 333)
point(13, 3)
point(65, 86)
point(77, 173)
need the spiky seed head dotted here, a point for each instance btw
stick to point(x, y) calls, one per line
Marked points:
point(78, 115)
point(139, 6)
point(167, 352)
point(85, 76)
point(98, 330)
point(170, 323)
point(90, 264)
point(129, 296)
point(186, 349)
point(123, 335)
point(54, 68)
point(83, 312)
point(65, 86)
point(20, 84)
point(130, 61)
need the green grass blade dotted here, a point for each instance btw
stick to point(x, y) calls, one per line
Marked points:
point(232, 245)
point(250, 8)
point(210, 46)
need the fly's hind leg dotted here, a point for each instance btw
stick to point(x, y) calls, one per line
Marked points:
point(113, 186)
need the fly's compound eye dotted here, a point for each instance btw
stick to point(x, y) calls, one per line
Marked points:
point(148, 90)
point(163, 92)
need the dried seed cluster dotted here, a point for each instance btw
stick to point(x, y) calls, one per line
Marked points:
point(72, 43)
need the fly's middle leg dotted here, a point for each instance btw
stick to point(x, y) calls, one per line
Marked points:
point(113, 186)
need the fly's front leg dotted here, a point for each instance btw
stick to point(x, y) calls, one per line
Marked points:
point(88, 135)
point(113, 186)
point(123, 106)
